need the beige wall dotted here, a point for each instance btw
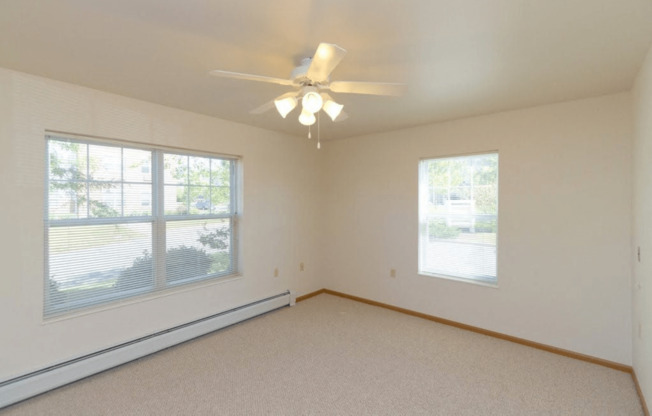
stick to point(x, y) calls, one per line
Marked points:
point(349, 212)
point(564, 223)
point(281, 196)
point(642, 290)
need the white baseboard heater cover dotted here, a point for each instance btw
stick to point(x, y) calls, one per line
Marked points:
point(37, 382)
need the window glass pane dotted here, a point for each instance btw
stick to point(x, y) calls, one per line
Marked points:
point(209, 190)
point(68, 191)
point(176, 200)
point(105, 199)
point(67, 200)
point(137, 165)
point(200, 171)
point(67, 160)
point(138, 200)
point(176, 169)
point(97, 263)
point(200, 199)
point(458, 212)
point(105, 163)
point(197, 249)
point(220, 172)
point(221, 200)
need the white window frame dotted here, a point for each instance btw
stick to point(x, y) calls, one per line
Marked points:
point(158, 220)
point(424, 219)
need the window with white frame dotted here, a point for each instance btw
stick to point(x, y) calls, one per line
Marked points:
point(123, 220)
point(458, 217)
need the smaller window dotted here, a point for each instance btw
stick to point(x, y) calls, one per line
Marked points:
point(458, 217)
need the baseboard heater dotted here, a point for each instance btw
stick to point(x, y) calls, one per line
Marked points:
point(37, 382)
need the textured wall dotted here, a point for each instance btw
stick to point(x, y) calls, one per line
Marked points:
point(281, 194)
point(564, 223)
point(642, 290)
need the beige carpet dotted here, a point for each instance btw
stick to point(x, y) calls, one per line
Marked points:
point(333, 356)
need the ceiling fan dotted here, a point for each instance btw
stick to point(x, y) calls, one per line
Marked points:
point(312, 79)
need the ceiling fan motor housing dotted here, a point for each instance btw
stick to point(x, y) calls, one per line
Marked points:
point(298, 74)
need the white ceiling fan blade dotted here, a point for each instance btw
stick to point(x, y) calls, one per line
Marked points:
point(250, 77)
point(326, 58)
point(263, 108)
point(270, 104)
point(341, 117)
point(371, 88)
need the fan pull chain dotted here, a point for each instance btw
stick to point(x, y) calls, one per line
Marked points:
point(309, 135)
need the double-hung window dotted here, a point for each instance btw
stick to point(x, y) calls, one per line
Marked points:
point(458, 217)
point(125, 220)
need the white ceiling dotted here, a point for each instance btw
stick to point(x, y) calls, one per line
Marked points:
point(459, 58)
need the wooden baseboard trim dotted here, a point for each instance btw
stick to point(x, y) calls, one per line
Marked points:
point(548, 348)
point(310, 295)
point(646, 412)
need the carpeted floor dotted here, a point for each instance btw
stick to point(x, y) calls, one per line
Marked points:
point(333, 356)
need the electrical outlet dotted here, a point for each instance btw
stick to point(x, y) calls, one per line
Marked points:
point(392, 272)
point(276, 272)
point(301, 268)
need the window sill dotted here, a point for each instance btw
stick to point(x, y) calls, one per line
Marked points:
point(493, 285)
point(140, 299)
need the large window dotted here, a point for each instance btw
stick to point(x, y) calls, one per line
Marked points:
point(125, 220)
point(458, 217)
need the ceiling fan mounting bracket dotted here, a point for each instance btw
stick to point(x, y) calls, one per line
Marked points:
point(299, 74)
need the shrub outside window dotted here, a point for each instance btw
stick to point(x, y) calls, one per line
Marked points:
point(124, 220)
point(458, 217)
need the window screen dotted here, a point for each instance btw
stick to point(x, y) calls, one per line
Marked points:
point(458, 217)
point(123, 221)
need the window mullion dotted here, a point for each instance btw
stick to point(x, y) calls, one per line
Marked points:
point(158, 226)
point(46, 231)
point(187, 185)
point(88, 183)
point(122, 182)
point(210, 186)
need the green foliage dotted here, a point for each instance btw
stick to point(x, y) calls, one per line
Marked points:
point(56, 296)
point(439, 229)
point(140, 274)
point(486, 199)
point(216, 239)
point(486, 227)
point(181, 263)
point(221, 262)
point(70, 176)
point(186, 262)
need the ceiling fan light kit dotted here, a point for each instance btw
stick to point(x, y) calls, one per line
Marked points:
point(313, 76)
point(307, 118)
point(311, 100)
point(285, 105)
point(333, 109)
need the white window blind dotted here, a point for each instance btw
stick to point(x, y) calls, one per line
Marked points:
point(458, 217)
point(122, 221)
